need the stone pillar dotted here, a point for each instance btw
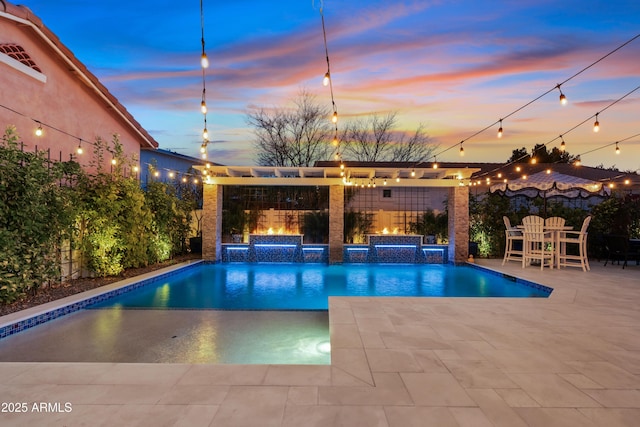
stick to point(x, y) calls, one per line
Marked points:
point(212, 222)
point(458, 224)
point(336, 224)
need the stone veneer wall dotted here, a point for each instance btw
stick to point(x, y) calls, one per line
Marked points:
point(336, 224)
point(212, 222)
point(458, 224)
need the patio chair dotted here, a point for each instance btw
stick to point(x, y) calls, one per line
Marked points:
point(554, 221)
point(513, 235)
point(539, 245)
point(578, 238)
point(617, 247)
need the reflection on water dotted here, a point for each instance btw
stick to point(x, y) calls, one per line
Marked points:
point(308, 287)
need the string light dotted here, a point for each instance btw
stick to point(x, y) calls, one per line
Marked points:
point(325, 80)
point(617, 148)
point(39, 130)
point(461, 149)
point(596, 124)
point(204, 62)
point(413, 172)
point(562, 144)
point(79, 149)
point(500, 130)
point(563, 98)
point(578, 162)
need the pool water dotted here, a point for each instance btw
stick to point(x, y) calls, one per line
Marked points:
point(307, 287)
point(238, 313)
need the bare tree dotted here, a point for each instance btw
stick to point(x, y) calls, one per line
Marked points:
point(298, 136)
point(374, 139)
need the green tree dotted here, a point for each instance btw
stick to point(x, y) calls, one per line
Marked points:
point(542, 155)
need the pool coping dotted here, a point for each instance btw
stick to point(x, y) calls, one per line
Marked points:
point(19, 321)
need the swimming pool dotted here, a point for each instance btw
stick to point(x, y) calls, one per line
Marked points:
point(198, 313)
point(308, 287)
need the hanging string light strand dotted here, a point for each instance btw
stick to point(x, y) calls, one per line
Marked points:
point(204, 63)
point(555, 87)
point(328, 81)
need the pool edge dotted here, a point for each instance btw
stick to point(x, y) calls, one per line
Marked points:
point(19, 321)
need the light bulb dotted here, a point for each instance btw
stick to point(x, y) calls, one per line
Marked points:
point(325, 80)
point(335, 141)
point(136, 169)
point(384, 182)
point(563, 99)
point(203, 107)
point(205, 134)
point(204, 61)
point(114, 161)
point(562, 145)
point(397, 179)
point(617, 149)
point(413, 172)
point(79, 150)
point(500, 130)
point(204, 155)
point(334, 118)
point(461, 150)
point(156, 174)
point(596, 124)
point(435, 165)
point(203, 149)
point(39, 131)
point(534, 160)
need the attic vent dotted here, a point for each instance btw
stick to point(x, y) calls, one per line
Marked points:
point(19, 54)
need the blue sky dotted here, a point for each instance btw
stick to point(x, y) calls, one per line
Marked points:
point(453, 66)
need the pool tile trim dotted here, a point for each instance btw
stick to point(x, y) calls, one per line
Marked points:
point(515, 279)
point(17, 322)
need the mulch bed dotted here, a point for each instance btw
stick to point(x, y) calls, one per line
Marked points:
point(57, 291)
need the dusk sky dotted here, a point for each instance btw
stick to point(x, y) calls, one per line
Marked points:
point(454, 66)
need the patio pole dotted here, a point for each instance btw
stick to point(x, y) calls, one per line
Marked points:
point(336, 224)
point(212, 222)
point(458, 224)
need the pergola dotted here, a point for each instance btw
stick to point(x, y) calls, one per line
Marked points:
point(337, 178)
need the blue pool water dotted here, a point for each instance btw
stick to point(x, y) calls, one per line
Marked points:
point(307, 287)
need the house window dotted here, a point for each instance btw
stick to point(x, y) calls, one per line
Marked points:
point(386, 193)
point(18, 53)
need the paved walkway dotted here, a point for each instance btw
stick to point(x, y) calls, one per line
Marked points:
point(570, 360)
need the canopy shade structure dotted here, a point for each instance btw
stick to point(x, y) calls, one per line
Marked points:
point(551, 184)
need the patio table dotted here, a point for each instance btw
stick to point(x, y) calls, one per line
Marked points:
point(557, 248)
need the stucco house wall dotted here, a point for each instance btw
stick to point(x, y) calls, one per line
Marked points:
point(63, 95)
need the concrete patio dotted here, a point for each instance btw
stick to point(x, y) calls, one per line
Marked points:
point(570, 360)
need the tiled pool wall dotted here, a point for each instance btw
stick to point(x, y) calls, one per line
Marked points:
point(379, 249)
point(40, 318)
point(512, 278)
